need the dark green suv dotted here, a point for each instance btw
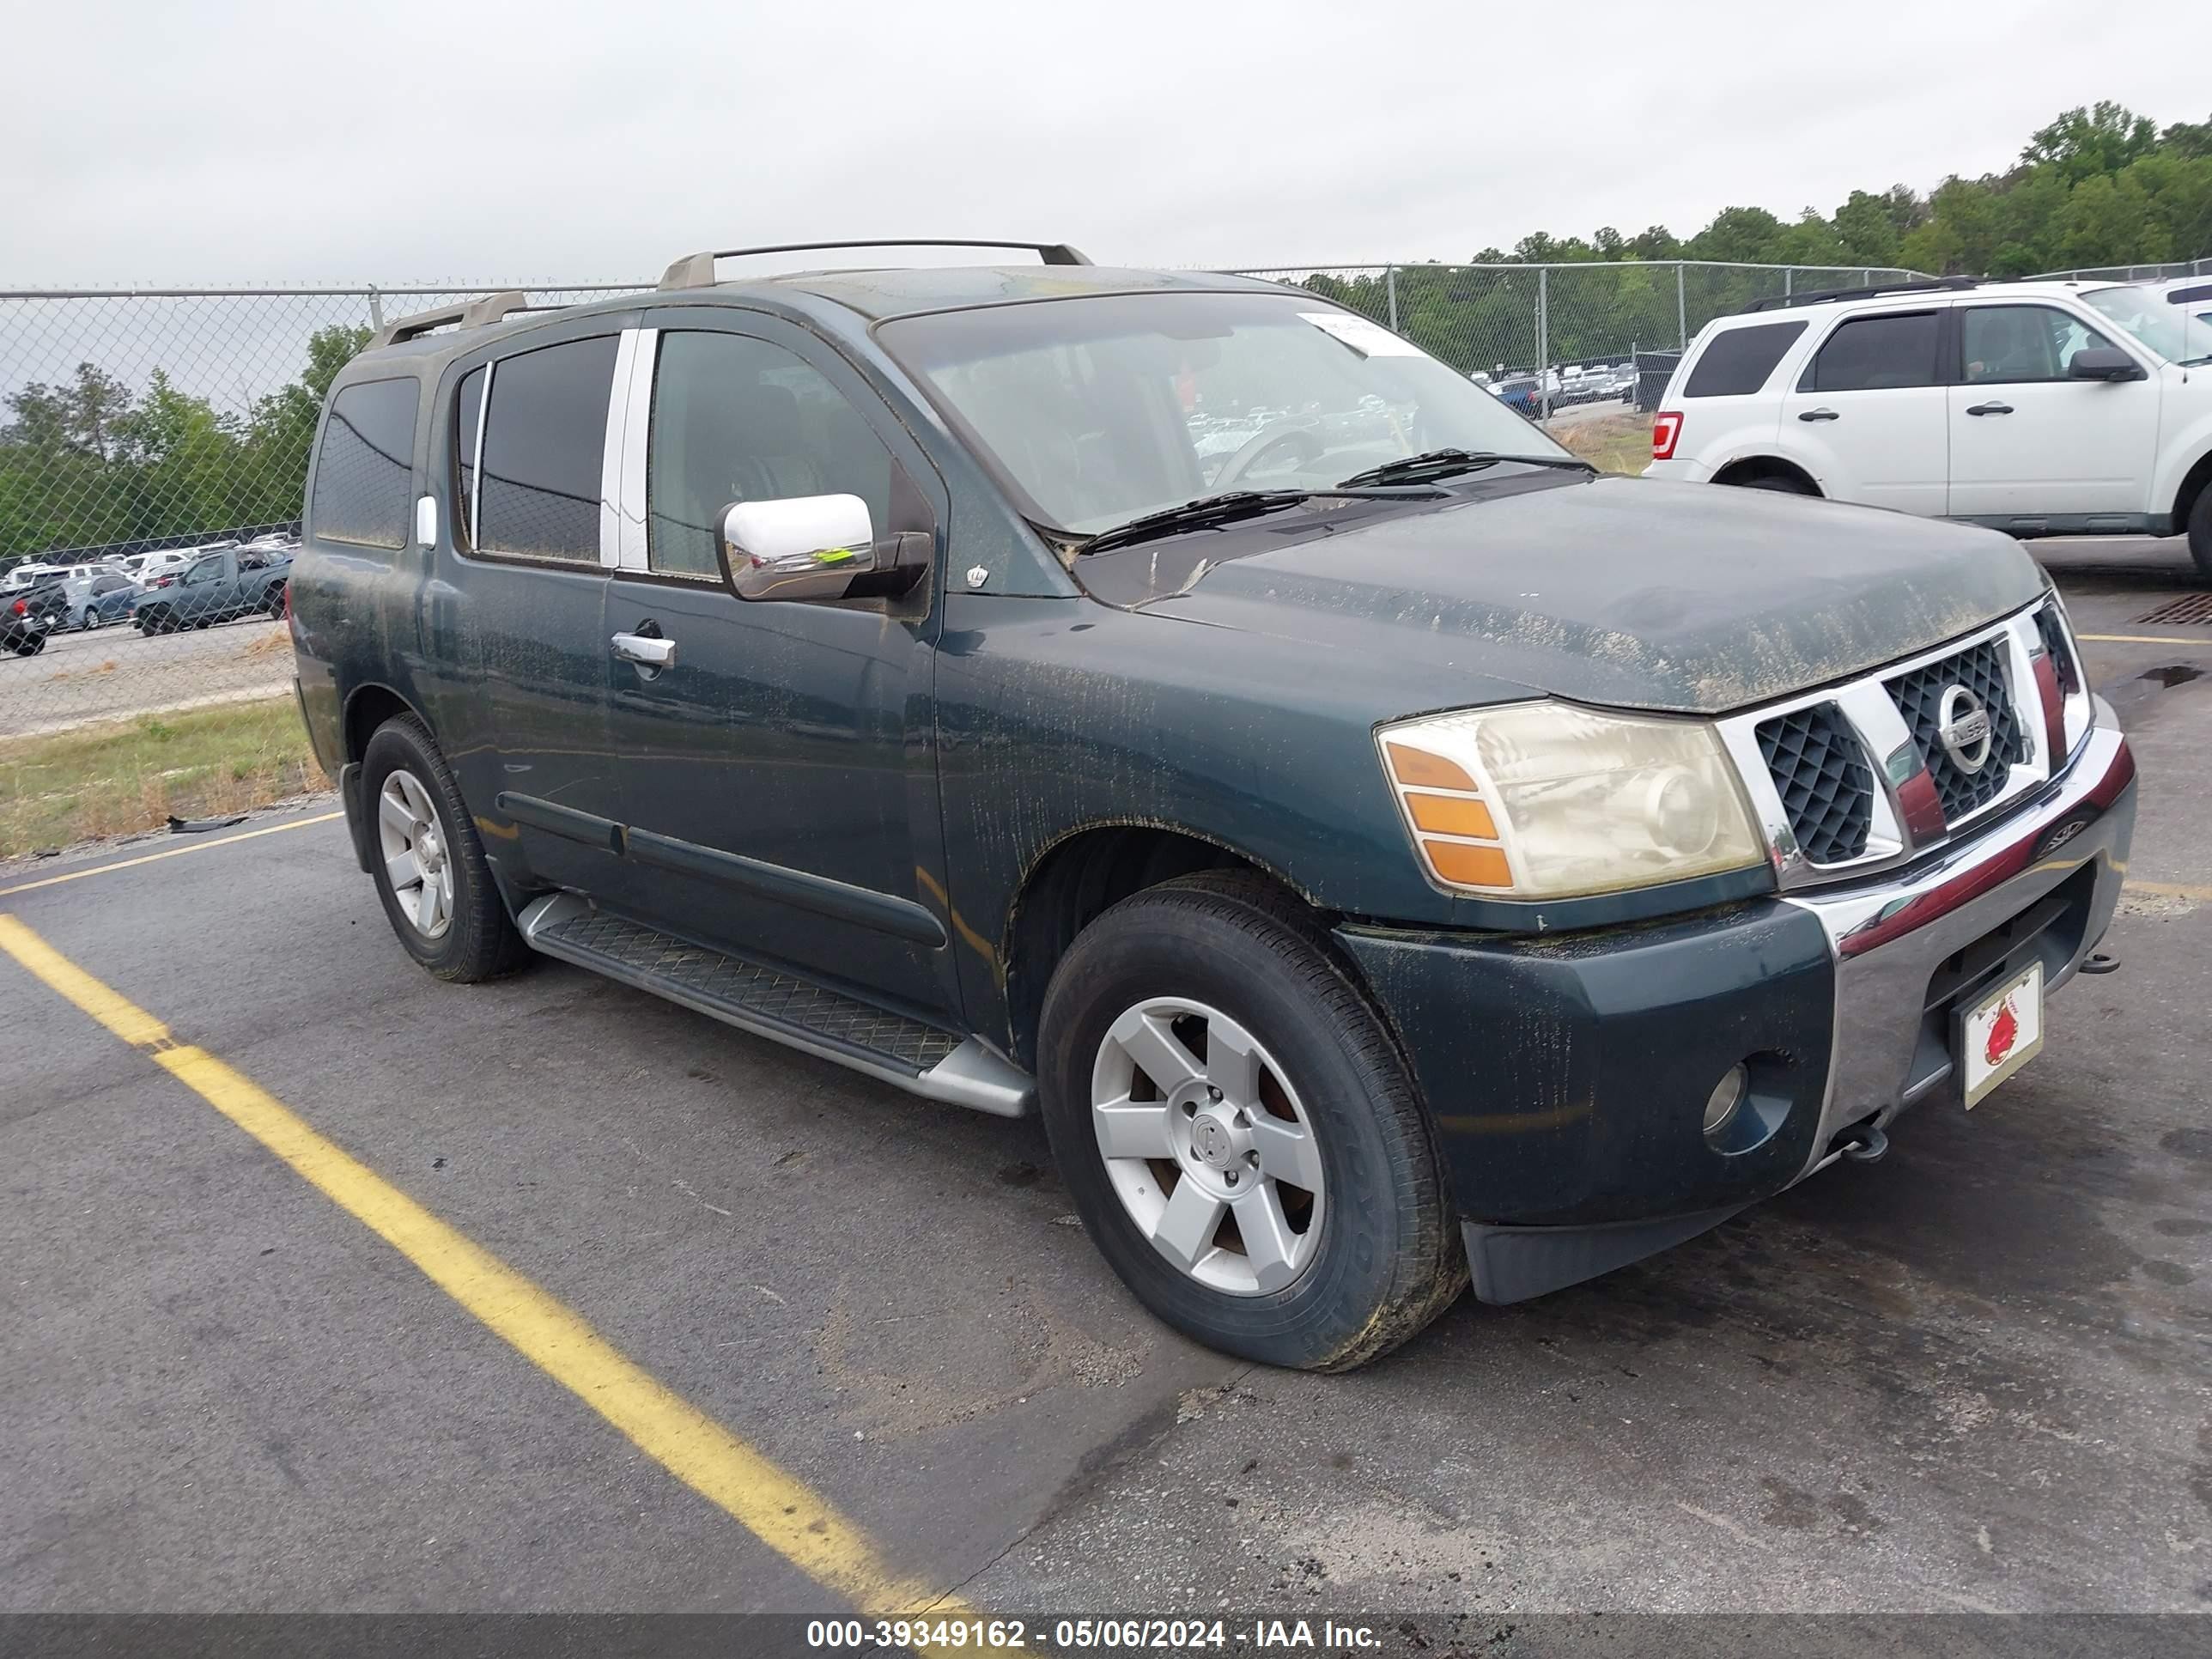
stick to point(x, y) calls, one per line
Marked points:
point(1381, 847)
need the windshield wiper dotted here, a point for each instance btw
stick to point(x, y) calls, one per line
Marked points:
point(1209, 511)
point(1444, 463)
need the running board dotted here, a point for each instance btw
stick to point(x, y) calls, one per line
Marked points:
point(780, 1006)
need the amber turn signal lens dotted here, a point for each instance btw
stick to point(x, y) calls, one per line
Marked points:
point(1467, 866)
point(1451, 815)
point(1418, 768)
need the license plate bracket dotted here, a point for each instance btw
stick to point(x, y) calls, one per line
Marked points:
point(2000, 1032)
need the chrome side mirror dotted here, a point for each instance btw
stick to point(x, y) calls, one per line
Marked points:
point(816, 547)
point(802, 547)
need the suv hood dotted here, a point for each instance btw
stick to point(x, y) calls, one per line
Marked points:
point(1694, 598)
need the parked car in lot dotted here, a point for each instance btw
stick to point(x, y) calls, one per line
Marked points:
point(23, 626)
point(106, 598)
point(216, 588)
point(1522, 393)
point(2039, 408)
point(1410, 857)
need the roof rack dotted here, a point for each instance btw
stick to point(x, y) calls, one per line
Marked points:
point(1934, 285)
point(472, 314)
point(698, 270)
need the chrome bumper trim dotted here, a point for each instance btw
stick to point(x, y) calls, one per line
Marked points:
point(1888, 937)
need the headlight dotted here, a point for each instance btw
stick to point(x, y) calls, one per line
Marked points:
point(1547, 800)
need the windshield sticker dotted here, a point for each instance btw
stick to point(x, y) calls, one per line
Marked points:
point(1368, 339)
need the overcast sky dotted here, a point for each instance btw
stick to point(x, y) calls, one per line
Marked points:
point(142, 141)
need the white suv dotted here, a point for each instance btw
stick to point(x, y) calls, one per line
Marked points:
point(2039, 408)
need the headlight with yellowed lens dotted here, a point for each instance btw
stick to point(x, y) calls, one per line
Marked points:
point(1548, 800)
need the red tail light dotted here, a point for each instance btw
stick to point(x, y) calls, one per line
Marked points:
point(165, 582)
point(1666, 431)
point(21, 609)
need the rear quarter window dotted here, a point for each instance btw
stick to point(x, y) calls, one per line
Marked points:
point(1739, 359)
point(366, 465)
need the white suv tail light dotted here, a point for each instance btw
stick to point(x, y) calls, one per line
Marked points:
point(1665, 430)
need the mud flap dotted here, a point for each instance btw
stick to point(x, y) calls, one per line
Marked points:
point(356, 820)
point(1512, 1264)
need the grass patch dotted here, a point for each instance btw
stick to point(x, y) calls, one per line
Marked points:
point(124, 776)
point(1613, 443)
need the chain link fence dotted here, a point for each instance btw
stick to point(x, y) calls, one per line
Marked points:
point(142, 431)
point(2158, 273)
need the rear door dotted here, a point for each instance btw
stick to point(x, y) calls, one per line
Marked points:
point(1869, 411)
point(780, 776)
point(2030, 443)
point(530, 544)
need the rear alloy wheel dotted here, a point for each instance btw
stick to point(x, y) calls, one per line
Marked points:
point(92, 618)
point(415, 856)
point(429, 867)
point(2200, 531)
point(1237, 1132)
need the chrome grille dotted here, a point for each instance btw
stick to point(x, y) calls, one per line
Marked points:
point(1853, 778)
point(1919, 697)
point(1819, 770)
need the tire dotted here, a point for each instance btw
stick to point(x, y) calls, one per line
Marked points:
point(2200, 532)
point(92, 618)
point(1387, 1256)
point(1780, 484)
point(32, 646)
point(151, 622)
point(477, 941)
point(273, 600)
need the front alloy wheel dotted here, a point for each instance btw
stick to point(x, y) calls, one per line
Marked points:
point(1207, 1146)
point(414, 857)
point(1237, 1130)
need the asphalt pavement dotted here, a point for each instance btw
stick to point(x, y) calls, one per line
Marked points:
point(1972, 1376)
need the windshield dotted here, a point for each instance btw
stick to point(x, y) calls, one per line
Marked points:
point(1099, 409)
point(2176, 332)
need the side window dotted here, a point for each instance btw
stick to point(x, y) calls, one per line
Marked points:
point(205, 571)
point(109, 584)
point(1874, 354)
point(366, 463)
point(737, 419)
point(2023, 342)
point(468, 431)
point(544, 440)
point(1738, 360)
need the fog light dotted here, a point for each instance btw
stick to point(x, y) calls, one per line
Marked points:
point(1727, 1096)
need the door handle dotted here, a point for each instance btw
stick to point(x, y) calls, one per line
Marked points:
point(1990, 408)
point(1820, 415)
point(645, 650)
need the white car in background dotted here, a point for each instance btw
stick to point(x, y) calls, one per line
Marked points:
point(2038, 408)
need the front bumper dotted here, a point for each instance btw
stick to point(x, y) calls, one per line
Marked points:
point(1566, 1077)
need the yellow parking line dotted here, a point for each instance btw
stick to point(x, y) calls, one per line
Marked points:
point(774, 1506)
point(2171, 890)
point(2137, 639)
point(174, 853)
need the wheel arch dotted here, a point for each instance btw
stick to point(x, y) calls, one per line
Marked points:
point(2194, 482)
point(1084, 871)
point(367, 707)
point(1746, 468)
